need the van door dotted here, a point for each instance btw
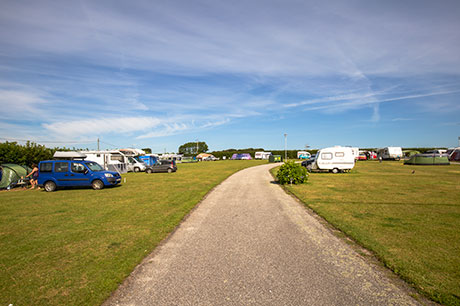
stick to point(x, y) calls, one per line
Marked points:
point(79, 174)
point(62, 173)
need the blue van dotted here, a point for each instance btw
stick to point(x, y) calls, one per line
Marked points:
point(149, 160)
point(70, 173)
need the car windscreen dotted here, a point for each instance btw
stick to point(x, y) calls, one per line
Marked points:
point(94, 166)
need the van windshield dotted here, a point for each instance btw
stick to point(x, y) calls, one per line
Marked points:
point(94, 166)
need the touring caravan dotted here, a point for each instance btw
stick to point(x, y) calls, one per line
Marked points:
point(334, 159)
point(262, 155)
point(390, 153)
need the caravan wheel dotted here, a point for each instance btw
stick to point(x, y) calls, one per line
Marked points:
point(335, 170)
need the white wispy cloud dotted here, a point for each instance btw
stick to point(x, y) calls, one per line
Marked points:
point(75, 128)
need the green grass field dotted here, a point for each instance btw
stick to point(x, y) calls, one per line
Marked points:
point(74, 247)
point(411, 221)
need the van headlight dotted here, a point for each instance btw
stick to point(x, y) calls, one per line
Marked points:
point(108, 175)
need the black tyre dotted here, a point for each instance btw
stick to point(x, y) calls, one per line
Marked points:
point(97, 184)
point(137, 169)
point(335, 170)
point(50, 186)
point(170, 170)
point(148, 171)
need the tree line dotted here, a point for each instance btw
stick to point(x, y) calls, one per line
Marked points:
point(28, 154)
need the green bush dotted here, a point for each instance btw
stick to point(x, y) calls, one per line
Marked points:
point(292, 173)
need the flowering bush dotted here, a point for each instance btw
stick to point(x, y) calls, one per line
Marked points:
point(292, 173)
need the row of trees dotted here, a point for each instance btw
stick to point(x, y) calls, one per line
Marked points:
point(14, 153)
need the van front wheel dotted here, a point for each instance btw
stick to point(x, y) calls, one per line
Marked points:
point(136, 169)
point(97, 184)
point(50, 186)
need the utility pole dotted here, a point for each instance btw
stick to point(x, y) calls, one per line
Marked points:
point(285, 147)
point(196, 146)
point(98, 143)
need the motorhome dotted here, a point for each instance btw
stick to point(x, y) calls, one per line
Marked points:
point(334, 159)
point(132, 152)
point(262, 155)
point(390, 153)
point(112, 160)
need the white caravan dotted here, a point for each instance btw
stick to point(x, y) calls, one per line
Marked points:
point(390, 153)
point(262, 155)
point(335, 159)
point(111, 160)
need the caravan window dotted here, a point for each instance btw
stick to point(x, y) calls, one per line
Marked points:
point(326, 155)
point(339, 154)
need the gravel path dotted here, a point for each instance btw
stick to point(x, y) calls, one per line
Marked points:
point(249, 243)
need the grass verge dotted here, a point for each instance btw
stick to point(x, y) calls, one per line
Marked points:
point(409, 216)
point(75, 246)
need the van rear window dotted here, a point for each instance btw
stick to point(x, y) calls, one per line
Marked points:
point(46, 167)
point(61, 167)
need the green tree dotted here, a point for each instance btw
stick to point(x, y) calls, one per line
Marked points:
point(147, 150)
point(193, 148)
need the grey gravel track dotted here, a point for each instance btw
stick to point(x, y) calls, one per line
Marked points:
point(249, 243)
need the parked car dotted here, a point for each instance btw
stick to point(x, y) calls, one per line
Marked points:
point(362, 156)
point(162, 166)
point(308, 163)
point(53, 174)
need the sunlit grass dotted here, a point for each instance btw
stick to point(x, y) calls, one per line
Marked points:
point(408, 215)
point(73, 247)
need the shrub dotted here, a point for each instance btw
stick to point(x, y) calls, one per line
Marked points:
point(292, 173)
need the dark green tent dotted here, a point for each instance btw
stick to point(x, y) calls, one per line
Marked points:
point(428, 159)
point(10, 174)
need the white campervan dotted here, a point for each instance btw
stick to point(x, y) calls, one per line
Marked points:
point(335, 159)
point(262, 155)
point(390, 153)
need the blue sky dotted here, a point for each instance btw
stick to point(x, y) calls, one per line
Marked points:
point(235, 74)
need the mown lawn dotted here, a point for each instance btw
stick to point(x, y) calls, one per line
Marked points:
point(75, 246)
point(408, 215)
